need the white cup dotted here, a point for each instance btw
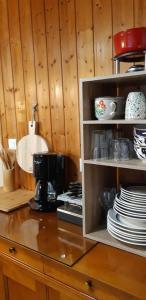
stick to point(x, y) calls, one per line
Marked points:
point(107, 108)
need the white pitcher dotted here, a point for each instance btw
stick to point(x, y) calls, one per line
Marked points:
point(135, 106)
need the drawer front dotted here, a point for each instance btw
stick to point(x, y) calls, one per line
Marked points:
point(21, 254)
point(83, 283)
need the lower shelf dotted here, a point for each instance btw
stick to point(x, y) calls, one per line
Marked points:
point(104, 237)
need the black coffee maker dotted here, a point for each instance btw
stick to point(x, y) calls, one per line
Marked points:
point(49, 171)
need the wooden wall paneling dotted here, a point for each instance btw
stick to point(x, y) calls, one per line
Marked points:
point(70, 82)
point(41, 66)
point(27, 180)
point(102, 14)
point(55, 75)
point(3, 112)
point(84, 27)
point(7, 72)
point(16, 54)
point(139, 13)
point(8, 83)
point(123, 19)
point(28, 56)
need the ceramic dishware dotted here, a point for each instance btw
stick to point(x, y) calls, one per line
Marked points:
point(140, 143)
point(132, 39)
point(107, 108)
point(135, 106)
point(140, 136)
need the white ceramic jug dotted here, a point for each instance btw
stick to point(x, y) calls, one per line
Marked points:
point(135, 106)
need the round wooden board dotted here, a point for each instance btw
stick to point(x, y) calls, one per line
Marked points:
point(26, 147)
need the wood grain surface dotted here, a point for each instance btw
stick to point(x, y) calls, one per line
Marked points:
point(113, 274)
point(45, 47)
point(12, 200)
point(44, 233)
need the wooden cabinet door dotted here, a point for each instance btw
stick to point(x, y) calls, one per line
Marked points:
point(70, 294)
point(17, 284)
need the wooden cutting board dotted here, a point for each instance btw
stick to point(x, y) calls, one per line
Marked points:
point(27, 146)
point(12, 200)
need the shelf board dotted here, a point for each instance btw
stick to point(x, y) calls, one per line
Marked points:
point(135, 164)
point(121, 77)
point(104, 237)
point(94, 122)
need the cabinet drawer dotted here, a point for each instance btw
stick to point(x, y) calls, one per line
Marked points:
point(21, 254)
point(83, 283)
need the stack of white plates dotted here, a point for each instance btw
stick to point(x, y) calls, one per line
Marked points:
point(127, 220)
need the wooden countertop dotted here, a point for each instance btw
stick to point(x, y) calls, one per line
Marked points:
point(44, 233)
point(63, 242)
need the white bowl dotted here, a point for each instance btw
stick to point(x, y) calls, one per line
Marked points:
point(140, 151)
point(140, 136)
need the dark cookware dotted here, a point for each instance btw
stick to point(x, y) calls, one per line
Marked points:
point(133, 39)
point(136, 68)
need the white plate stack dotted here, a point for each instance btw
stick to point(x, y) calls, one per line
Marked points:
point(127, 220)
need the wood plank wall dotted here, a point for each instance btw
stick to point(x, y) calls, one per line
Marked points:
point(45, 47)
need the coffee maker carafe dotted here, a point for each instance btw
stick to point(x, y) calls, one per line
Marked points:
point(49, 171)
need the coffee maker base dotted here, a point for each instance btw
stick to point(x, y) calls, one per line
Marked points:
point(44, 207)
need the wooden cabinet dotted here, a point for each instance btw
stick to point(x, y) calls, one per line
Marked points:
point(101, 173)
point(17, 282)
point(103, 272)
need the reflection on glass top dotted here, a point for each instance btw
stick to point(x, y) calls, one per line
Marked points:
point(44, 233)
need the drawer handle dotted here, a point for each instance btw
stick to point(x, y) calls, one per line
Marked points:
point(12, 250)
point(88, 284)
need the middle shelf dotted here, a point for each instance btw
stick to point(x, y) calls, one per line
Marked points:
point(108, 122)
point(134, 164)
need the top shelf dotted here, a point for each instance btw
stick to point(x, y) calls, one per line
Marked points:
point(115, 78)
point(123, 121)
point(105, 86)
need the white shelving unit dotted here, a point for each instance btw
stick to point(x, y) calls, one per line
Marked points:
point(98, 174)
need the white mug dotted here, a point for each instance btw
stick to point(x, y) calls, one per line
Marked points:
point(135, 106)
point(107, 108)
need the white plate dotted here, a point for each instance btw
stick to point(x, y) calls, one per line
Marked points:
point(132, 231)
point(133, 200)
point(127, 241)
point(129, 213)
point(131, 220)
point(130, 205)
point(126, 222)
point(132, 209)
point(132, 196)
point(136, 190)
point(126, 234)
